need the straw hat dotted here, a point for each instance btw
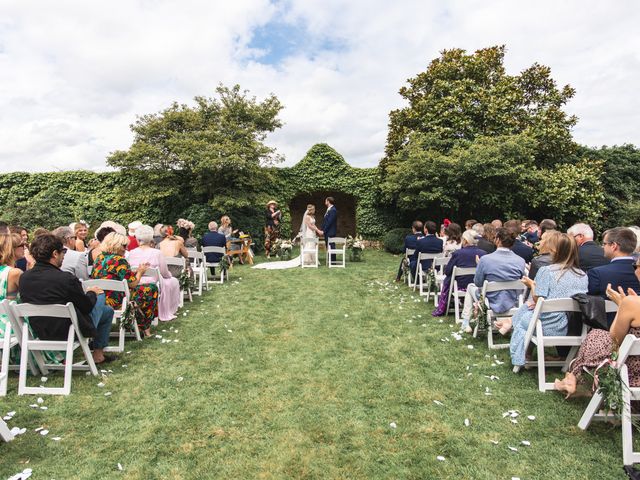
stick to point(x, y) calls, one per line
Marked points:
point(272, 202)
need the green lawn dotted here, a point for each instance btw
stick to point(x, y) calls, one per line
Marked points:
point(300, 374)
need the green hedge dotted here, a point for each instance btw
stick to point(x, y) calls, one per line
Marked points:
point(393, 240)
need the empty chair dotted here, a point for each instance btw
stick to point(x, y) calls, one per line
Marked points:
point(339, 249)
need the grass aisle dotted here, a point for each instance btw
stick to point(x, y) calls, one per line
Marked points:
point(300, 374)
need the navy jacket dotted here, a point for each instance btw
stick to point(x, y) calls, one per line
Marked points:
point(486, 245)
point(427, 244)
point(213, 239)
point(330, 223)
point(523, 251)
point(619, 273)
point(464, 258)
point(591, 255)
point(411, 240)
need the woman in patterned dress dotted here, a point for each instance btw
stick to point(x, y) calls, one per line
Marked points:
point(600, 344)
point(9, 276)
point(111, 265)
point(562, 279)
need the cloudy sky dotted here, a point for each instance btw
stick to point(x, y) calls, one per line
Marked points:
point(74, 74)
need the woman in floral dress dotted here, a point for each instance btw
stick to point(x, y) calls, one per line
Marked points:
point(111, 265)
point(600, 344)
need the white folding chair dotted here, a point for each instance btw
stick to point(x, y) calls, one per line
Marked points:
point(421, 275)
point(5, 433)
point(116, 286)
point(455, 293)
point(36, 360)
point(207, 265)
point(181, 263)
point(630, 347)
point(489, 287)
point(339, 249)
point(196, 259)
point(7, 342)
point(309, 246)
point(408, 253)
point(438, 267)
point(24, 310)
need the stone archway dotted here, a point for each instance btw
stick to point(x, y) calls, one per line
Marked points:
point(345, 203)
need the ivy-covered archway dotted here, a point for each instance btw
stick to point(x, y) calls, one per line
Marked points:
point(323, 172)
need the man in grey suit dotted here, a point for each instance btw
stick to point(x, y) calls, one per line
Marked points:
point(590, 254)
point(500, 266)
point(74, 262)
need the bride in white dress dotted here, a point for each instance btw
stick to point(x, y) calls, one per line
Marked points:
point(308, 230)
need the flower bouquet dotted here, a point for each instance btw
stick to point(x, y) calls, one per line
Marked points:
point(356, 247)
point(284, 248)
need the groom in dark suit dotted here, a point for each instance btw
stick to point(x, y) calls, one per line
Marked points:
point(330, 223)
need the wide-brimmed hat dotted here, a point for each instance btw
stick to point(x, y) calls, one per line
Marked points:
point(272, 202)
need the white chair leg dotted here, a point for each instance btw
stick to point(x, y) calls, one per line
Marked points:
point(541, 367)
point(24, 358)
point(627, 426)
point(68, 364)
point(5, 433)
point(590, 411)
point(4, 367)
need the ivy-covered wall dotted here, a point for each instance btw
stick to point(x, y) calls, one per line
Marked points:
point(57, 198)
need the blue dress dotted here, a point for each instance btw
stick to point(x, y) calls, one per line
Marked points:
point(551, 282)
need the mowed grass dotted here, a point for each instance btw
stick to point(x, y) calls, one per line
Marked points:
point(299, 374)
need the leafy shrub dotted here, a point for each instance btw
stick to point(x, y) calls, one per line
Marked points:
point(394, 240)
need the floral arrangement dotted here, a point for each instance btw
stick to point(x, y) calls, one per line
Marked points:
point(185, 281)
point(225, 263)
point(283, 248)
point(356, 247)
point(432, 285)
point(479, 315)
point(607, 380)
point(129, 317)
point(186, 224)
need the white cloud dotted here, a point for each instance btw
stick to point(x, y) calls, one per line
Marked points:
point(74, 75)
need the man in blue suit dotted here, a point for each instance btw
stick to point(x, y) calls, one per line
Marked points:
point(619, 244)
point(330, 223)
point(410, 242)
point(500, 266)
point(427, 244)
point(213, 239)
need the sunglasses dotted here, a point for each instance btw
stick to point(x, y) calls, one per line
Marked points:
point(636, 266)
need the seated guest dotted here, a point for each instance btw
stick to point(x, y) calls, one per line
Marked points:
point(466, 257)
point(145, 254)
point(547, 249)
point(185, 229)
point(157, 235)
point(92, 254)
point(590, 253)
point(443, 227)
point(453, 233)
point(500, 266)
point(9, 275)
point(4, 227)
point(497, 223)
point(81, 231)
point(619, 244)
point(530, 235)
point(519, 248)
point(21, 261)
point(427, 244)
point(133, 243)
point(410, 244)
point(74, 262)
point(485, 235)
point(20, 252)
point(172, 246)
point(46, 284)
point(562, 279)
point(469, 224)
point(112, 265)
point(600, 344)
point(547, 224)
point(213, 239)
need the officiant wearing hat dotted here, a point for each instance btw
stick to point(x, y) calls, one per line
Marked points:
point(273, 217)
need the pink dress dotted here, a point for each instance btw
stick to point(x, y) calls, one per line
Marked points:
point(169, 286)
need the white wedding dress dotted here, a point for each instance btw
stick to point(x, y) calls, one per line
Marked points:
point(305, 233)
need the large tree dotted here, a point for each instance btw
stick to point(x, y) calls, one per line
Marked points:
point(211, 153)
point(464, 96)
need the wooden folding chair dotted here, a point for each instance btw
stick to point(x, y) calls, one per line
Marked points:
point(489, 287)
point(22, 312)
point(455, 293)
point(207, 265)
point(630, 347)
point(116, 286)
point(309, 246)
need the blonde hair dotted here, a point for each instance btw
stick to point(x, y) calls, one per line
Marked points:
point(6, 249)
point(549, 241)
point(113, 242)
point(311, 209)
point(225, 220)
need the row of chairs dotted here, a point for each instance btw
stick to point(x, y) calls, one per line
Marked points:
point(309, 246)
